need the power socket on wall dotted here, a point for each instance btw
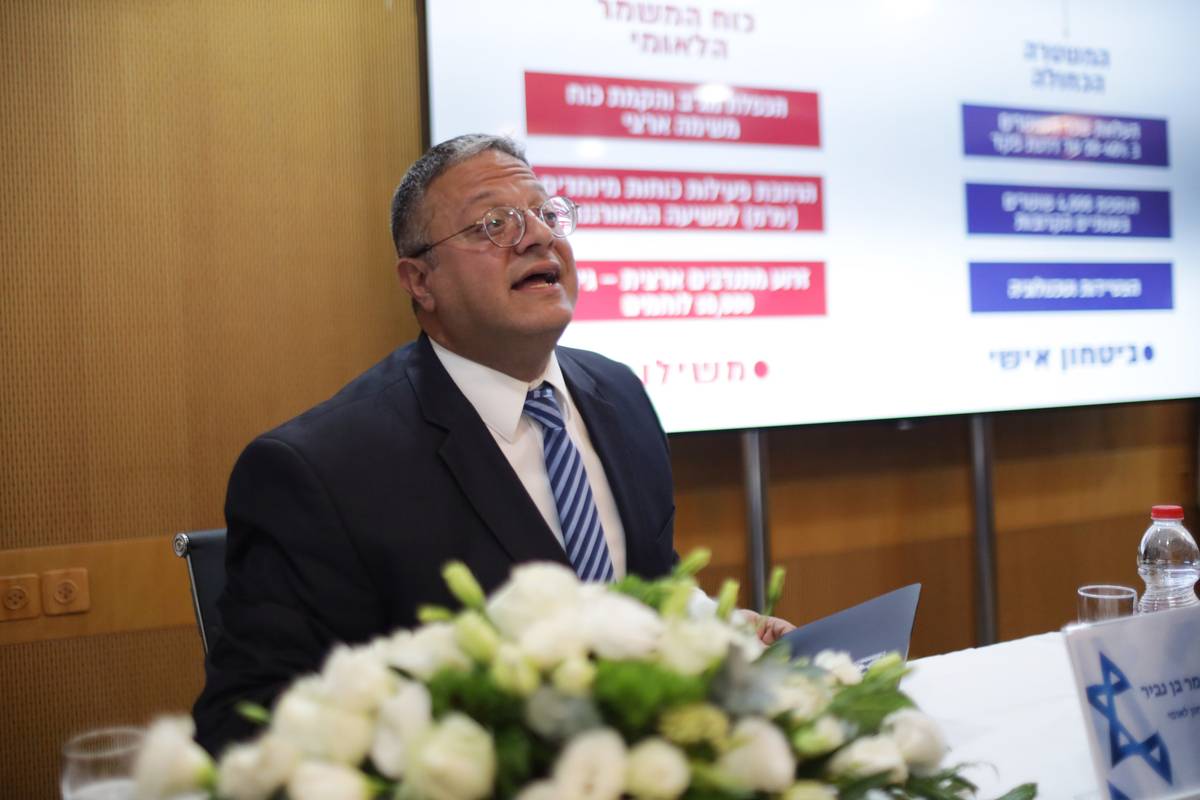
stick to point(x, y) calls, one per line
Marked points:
point(65, 591)
point(20, 597)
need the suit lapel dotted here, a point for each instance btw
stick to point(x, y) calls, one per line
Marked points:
point(616, 453)
point(482, 472)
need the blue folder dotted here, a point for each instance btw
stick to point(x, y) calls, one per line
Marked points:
point(866, 631)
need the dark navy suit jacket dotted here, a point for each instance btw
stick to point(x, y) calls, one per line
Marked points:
point(341, 519)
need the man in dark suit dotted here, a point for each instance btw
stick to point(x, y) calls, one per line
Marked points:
point(340, 520)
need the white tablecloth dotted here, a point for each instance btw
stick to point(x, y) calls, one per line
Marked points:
point(1012, 706)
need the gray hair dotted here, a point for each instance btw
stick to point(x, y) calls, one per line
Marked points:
point(409, 229)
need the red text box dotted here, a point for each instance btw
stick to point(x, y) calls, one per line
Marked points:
point(651, 199)
point(589, 105)
point(626, 290)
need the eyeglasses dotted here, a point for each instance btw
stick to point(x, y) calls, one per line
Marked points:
point(505, 225)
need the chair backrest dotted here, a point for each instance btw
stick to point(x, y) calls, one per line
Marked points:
point(205, 554)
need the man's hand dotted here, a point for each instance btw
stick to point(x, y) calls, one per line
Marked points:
point(769, 628)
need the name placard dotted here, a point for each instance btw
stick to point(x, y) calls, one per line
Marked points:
point(1139, 684)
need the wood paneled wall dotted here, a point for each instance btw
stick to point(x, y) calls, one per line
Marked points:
point(194, 220)
point(195, 247)
point(858, 509)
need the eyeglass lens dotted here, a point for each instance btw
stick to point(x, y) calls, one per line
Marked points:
point(506, 226)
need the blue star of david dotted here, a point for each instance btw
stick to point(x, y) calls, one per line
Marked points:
point(1121, 744)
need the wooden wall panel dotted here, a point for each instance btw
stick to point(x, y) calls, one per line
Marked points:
point(196, 247)
point(855, 510)
point(1073, 494)
point(197, 207)
point(55, 689)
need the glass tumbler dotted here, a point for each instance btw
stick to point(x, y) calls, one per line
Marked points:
point(1098, 602)
point(98, 765)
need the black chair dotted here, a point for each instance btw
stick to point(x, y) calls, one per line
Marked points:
point(205, 554)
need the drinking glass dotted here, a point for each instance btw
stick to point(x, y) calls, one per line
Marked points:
point(1103, 601)
point(98, 765)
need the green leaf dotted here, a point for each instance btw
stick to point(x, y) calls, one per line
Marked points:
point(514, 760)
point(944, 785)
point(631, 694)
point(1026, 791)
point(475, 693)
point(253, 712)
point(866, 704)
point(857, 788)
point(652, 593)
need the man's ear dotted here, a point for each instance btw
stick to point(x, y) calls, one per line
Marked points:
point(414, 277)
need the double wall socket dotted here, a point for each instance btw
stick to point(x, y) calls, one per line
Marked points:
point(54, 592)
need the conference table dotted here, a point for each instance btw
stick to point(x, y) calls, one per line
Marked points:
point(1012, 710)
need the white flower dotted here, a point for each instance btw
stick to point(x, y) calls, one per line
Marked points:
point(455, 760)
point(425, 651)
point(574, 676)
point(690, 646)
point(320, 730)
point(403, 719)
point(356, 679)
point(838, 663)
point(802, 698)
point(551, 640)
point(760, 758)
point(870, 755)
point(169, 762)
point(918, 737)
point(513, 671)
point(591, 767)
point(809, 790)
point(315, 780)
point(658, 770)
point(533, 592)
point(539, 790)
point(617, 626)
point(821, 737)
point(254, 771)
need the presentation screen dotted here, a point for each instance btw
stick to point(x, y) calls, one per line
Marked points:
point(801, 212)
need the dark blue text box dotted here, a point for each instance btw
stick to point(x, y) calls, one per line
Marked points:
point(1031, 286)
point(1067, 211)
point(1063, 136)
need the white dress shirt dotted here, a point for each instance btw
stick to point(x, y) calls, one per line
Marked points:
point(499, 400)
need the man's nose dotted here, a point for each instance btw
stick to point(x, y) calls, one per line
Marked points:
point(536, 231)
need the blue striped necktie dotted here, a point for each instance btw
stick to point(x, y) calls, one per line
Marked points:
point(582, 533)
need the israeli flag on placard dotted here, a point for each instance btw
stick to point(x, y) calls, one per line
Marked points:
point(1139, 686)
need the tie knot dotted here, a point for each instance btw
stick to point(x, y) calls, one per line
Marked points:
point(543, 408)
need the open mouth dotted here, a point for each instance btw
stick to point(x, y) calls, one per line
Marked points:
point(537, 279)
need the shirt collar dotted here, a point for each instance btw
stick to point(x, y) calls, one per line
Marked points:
point(499, 399)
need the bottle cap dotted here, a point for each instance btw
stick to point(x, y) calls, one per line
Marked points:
point(1166, 512)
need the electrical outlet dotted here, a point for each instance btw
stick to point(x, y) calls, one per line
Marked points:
point(20, 597)
point(65, 591)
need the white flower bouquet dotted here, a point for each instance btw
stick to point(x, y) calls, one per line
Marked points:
point(555, 690)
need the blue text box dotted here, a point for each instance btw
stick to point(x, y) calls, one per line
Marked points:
point(1064, 136)
point(1067, 211)
point(1037, 286)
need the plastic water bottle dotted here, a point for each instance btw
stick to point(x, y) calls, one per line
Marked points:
point(1168, 562)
